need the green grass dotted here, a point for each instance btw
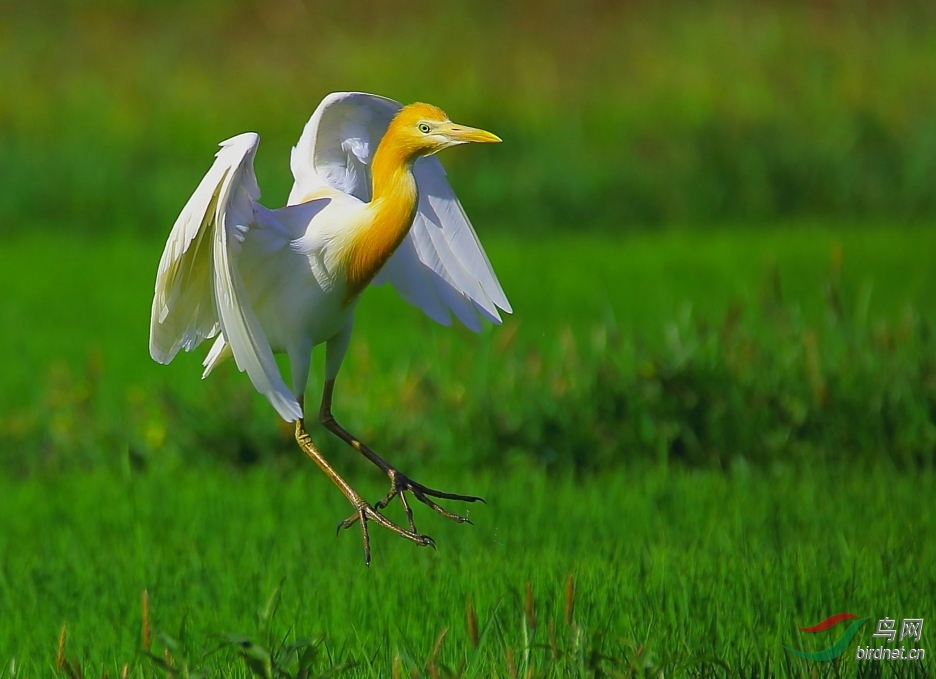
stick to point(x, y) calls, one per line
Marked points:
point(720, 434)
point(658, 345)
point(69, 296)
point(118, 475)
point(683, 565)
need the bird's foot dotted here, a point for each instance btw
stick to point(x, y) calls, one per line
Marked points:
point(364, 513)
point(400, 484)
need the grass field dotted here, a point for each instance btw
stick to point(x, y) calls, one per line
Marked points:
point(675, 566)
point(711, 419)
point(723, 314)
point(669, 568)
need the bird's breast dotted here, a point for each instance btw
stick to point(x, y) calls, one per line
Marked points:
point(387, 222)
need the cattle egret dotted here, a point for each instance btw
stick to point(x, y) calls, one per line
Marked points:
point(369, 205)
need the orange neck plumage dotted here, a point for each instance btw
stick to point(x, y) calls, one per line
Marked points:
point(392, 209)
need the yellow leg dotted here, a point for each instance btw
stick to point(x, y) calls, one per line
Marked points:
point(363, 511)
point(399, 483)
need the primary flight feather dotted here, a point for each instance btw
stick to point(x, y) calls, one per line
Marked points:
point(369, 205)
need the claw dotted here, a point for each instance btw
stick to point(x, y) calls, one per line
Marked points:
point(365, 513)
point(400, 484)
point(366, 541)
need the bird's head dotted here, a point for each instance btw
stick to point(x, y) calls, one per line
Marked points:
point(423, 129)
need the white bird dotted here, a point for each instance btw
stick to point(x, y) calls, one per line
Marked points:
point(369, 205)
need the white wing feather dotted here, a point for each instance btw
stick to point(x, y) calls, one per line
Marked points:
point(440, 267)
point(337, 143)
point(199, 290)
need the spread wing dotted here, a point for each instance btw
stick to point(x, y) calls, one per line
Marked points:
point(440, 267)
point(199, 290)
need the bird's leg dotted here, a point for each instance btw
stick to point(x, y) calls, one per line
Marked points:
point(363, 511)
point(399, 482)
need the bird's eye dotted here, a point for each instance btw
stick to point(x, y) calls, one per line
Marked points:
point(424, 128)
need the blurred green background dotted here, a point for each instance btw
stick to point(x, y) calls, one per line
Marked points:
point(617, 115)
point(672, 173)
point(714, 220)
